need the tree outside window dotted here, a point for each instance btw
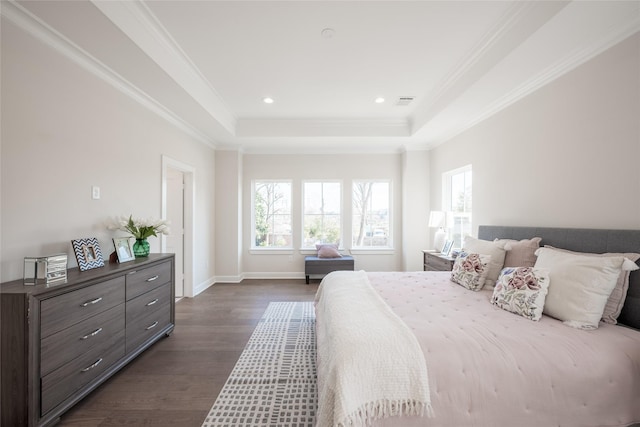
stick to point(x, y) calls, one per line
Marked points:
point(371, 223)
point(322, 219)
point(272, 214)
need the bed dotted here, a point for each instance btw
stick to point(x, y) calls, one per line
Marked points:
point(485, 366)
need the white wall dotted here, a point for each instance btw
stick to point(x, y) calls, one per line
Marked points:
point(415, 213)
point(312, 167)
point(228, 218)
point(64, 130)
point(568, 155)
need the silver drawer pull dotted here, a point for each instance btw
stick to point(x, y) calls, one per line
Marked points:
point(151, 279)
point(152, 326)
point(92, 334)
point(93, 301)
point(90, 367)
point(152, 302)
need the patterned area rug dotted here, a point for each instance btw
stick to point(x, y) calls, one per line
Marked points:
point(274, 381)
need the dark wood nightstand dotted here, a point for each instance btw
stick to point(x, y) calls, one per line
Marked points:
point(434, 261)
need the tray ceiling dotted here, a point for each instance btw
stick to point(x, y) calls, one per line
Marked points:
point(207, 65)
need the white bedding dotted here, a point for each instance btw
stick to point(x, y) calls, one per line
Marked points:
point(489, 367)
point(359, 388)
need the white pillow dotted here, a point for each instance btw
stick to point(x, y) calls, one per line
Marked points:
point(579, 285)
point(522, 290)
point(616, 300)
point(494, 249)
point(470, 270)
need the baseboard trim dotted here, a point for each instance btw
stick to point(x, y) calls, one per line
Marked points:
point(202, 286)
point(230, 279)
point(274, 275)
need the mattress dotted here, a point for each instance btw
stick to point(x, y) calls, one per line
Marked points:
point(489, 367)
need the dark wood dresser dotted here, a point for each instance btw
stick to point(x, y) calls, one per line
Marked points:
point(60, 341)
point(434, 261)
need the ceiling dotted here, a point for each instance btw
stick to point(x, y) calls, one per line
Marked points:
point(206, 66)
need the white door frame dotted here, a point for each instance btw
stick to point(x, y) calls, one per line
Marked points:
point(189, 198)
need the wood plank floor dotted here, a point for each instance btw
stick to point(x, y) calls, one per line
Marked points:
point(176, 381)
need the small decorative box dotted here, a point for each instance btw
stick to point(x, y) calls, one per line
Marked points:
point(45, 270)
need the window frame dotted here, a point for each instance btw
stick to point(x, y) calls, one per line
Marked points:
point(390, 239)
point(303, 214)
point(447, 204)
point(253, 247)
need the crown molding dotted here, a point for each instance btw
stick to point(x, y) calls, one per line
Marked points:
point(33, 25)
point(505, 35)
point(570, 62)
point(317, 151)
point(323, 128)
point(322, 146)
point(485, 44)
point(137, 21)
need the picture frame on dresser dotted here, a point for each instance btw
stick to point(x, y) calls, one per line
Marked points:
point(88, 253)
point(448, 245)
point(124, 249)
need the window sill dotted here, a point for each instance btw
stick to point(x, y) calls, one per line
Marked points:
point(271, 251)
point(372, 251)
point(312, 251)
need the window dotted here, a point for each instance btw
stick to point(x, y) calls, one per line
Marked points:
point(371, 225)
point(321, 220)
point(271, 214)
point(456, 193)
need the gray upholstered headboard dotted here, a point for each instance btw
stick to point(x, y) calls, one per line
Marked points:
point(583, 240)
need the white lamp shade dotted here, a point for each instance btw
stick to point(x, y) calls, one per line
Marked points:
point(439, 220)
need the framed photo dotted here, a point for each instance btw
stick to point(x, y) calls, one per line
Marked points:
point(124, 250)
point(88, 253)
point(448, 244)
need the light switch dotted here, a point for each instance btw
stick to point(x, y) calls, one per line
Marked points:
point(95, 192)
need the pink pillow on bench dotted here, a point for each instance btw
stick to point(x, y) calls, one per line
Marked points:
point(328, 250)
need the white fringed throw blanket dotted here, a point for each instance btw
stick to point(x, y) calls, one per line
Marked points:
point(370, 365)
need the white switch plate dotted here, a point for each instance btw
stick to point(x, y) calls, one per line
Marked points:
point(95, 192)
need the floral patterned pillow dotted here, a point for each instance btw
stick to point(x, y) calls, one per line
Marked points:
point(522, 290)
point(470, 270)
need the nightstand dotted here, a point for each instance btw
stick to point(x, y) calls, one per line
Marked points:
point(435, 261)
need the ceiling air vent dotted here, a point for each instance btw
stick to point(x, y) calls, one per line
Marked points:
point(404, 100)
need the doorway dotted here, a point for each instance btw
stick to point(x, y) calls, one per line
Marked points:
point(177, 207)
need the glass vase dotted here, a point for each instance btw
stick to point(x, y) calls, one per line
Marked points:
point(141, 248)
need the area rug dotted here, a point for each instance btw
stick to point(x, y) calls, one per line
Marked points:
point(274, 381)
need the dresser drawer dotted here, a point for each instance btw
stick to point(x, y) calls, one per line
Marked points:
point(437, 262)
point(146, 327)
point(66, 345)
point(60, 312)
point(68, 379)
point(146, 279)
point(151, 302)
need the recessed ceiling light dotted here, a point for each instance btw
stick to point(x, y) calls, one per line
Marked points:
point(379, 100)
point(267, 100)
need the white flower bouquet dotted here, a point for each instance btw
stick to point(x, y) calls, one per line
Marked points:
point(142, 228)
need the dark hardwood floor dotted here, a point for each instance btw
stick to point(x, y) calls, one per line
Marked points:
point(176, 381)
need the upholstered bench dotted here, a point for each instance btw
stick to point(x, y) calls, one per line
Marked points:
point(315, 265)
